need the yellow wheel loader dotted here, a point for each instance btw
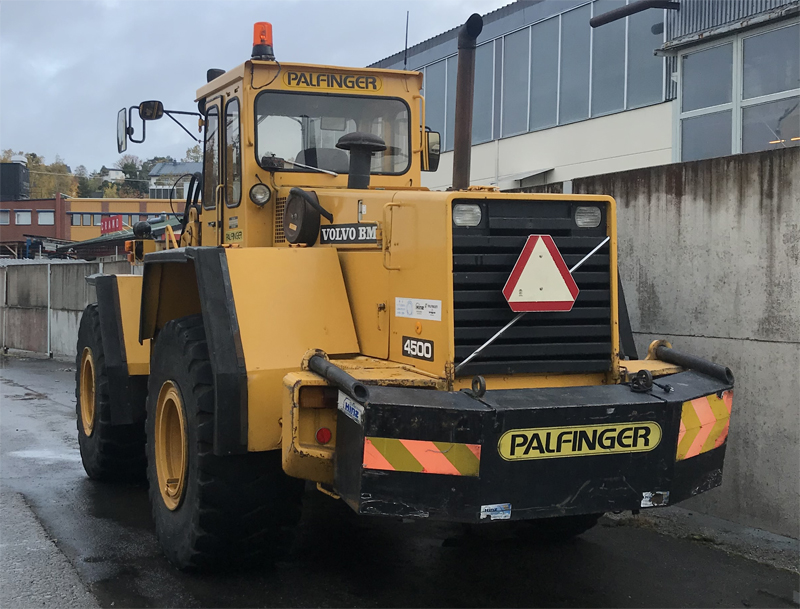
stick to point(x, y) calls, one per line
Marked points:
point(462, 355)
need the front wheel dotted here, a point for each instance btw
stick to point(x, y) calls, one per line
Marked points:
point(209, 511)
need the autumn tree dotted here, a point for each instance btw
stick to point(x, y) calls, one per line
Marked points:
point(194, 154)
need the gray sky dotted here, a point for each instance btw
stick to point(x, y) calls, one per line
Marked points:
point(67, 67)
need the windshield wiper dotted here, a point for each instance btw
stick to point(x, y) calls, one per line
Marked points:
point(272, 163)
point(330, 173)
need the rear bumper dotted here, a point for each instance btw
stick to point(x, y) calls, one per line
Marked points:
point(531, 453)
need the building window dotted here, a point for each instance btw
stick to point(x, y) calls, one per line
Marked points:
point(544, 74)
point(516, 69)
point(608, 62)
point(575, 60)
point(741, 95)
point(97, 219)
point(22, 217)
point(645, 77)
point(484, 91)
point(76, 219)
point(5, 217)
point(87, 219)
point(46, 218)
point(435, 87)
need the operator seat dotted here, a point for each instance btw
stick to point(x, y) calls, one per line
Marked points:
point(331, 159)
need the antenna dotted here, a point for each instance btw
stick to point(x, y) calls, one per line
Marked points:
point(405, 50)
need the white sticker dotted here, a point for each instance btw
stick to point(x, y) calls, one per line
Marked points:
point(351, 408)
point(496, 511)
point(655, 499)
point(418, 308)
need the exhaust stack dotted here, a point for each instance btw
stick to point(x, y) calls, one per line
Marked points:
point(465, 89)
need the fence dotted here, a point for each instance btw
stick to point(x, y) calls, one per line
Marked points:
point(42, 303)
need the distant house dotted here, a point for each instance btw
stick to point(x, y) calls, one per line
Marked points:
point(166, 175)
point(112, 175)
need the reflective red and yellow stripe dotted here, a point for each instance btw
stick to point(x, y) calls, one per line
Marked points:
point(704, 424)
point(396, 455)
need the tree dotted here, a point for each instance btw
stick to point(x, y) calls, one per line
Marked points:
point(194, 154)
point(128, 159)
point(110, 191)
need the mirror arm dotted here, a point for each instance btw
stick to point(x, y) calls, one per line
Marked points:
point(130, 128)
point(177, 122)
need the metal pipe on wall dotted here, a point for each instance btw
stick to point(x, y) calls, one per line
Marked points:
point(465, 90)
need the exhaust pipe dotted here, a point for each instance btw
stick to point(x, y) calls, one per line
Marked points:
point(465, 89)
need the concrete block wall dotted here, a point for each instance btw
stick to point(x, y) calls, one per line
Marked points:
point(25, 309)
point(709, 255)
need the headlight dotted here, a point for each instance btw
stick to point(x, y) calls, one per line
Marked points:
point(588, 217)
point(259, 194)
point(466, 214)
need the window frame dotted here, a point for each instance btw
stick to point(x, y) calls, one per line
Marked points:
point(39, 213)
point(737, 104)
point(369, 97)
point(224, 167)
point(23, 211)
point(7, 213)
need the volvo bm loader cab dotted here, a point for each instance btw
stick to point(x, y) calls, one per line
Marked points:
point(461, 355)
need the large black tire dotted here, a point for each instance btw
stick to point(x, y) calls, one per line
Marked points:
point(109, 452)
point(234, 510)
point(558, 529)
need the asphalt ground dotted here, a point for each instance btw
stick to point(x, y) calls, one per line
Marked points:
point(69, 541)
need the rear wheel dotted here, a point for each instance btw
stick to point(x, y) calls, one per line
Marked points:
point(559, 529)
point(108, 452)
point(209, 511)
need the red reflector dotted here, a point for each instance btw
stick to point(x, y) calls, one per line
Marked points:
point(324, 435)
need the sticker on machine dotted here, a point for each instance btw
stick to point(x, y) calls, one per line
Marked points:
point(418, 308)
point(351, 408)
point(348, 234)
point(579, 441)
point(496, 511)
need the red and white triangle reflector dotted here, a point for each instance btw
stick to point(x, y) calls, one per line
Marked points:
point(540, 280)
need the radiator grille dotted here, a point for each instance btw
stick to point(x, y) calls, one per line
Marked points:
point(483, 256)
point(280, 205)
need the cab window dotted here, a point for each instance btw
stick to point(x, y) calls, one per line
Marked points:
point(211, 158)
point(233, 155)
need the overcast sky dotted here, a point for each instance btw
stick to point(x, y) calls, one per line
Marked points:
point(67, 67)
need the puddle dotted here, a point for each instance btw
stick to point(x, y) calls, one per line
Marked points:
point(49, 456)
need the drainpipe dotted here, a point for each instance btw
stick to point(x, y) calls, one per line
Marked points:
point(465, 89)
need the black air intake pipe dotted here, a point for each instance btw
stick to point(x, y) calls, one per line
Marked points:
point(339, 378)
point(671, 356)
point(465, 89)
point(361, 146)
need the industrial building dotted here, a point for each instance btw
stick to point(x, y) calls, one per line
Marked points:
point(556, 99)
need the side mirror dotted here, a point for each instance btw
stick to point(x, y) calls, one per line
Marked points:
point(151, 110)
point(430, 158)
point(122, 131)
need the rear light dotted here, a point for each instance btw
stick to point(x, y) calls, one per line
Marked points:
point(588, 217)
point(466, 214)
point(324, 435)
point(318, 397)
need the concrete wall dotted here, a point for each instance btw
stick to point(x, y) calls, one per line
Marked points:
point(710, 260)
point(626, 140)
point(25, 310)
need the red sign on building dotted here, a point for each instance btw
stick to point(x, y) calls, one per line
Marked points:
point(110, 224)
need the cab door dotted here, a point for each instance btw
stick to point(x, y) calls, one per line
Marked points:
point(212, 174)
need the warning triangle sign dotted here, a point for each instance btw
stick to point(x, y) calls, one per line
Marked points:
point(540, 280)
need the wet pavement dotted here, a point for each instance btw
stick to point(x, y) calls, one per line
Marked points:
point(338, 559)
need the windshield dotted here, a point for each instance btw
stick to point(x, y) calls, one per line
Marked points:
point(305, 128)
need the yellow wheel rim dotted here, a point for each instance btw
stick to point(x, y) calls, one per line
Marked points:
point(87, 391)
point(170, 445)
